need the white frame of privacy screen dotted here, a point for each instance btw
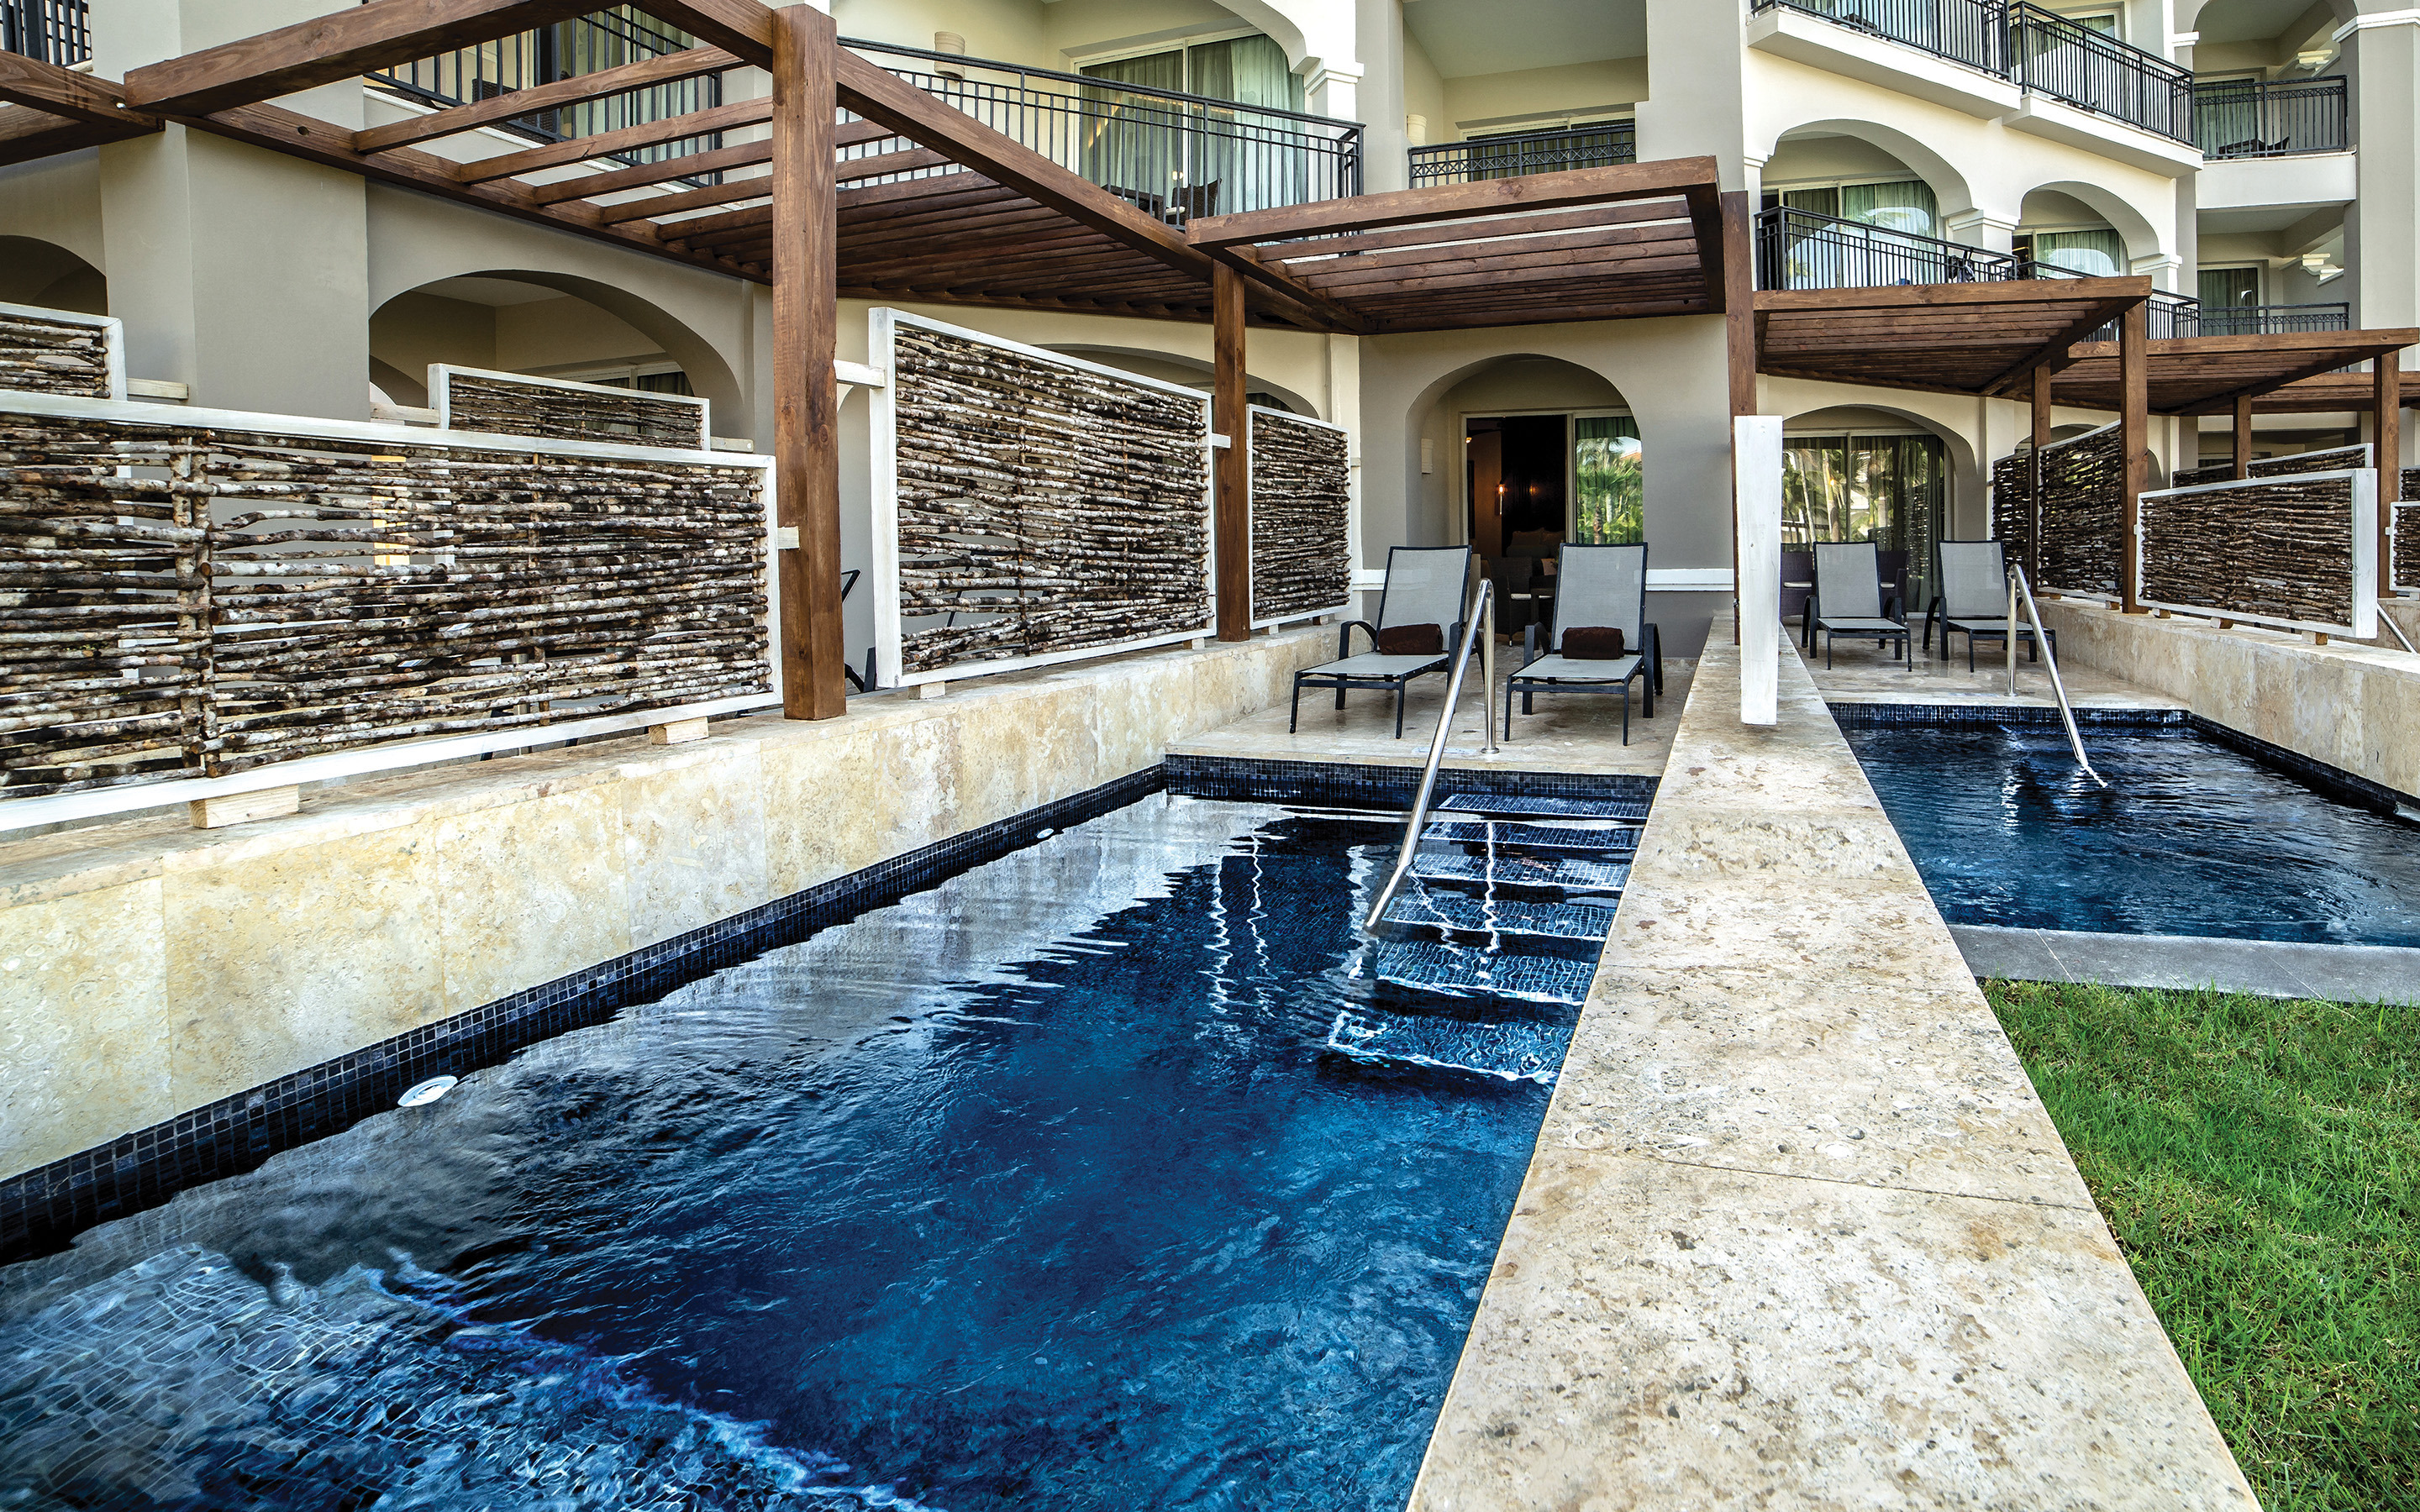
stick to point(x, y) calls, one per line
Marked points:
point(1337, 511)
point(2156, 515)
point(973, 407)
point(441, 397)
point(113, 341)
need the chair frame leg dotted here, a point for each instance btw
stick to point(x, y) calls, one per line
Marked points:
point(1293, 716)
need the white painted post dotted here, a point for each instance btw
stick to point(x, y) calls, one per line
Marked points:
point(1756, 457)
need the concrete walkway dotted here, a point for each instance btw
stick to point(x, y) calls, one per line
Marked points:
point(1798, 1232)
point(2270, 968)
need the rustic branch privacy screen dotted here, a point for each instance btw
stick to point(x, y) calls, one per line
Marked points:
point(2296, 552)
point(60, 351)
point(1302, 518)
point(2330, 460)
point(515, 404)
point(205, 593)
point(1030, 508)
point(2062, 514)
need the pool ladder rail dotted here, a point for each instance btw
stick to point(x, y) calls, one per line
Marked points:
point(1482, 942)
point(2018, 588)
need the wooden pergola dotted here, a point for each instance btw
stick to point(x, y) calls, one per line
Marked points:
point(2035, 339)
point(875, 188)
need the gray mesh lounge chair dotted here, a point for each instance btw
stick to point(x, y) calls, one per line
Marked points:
point(1847, 599)
point(1425, 585)
point(1594, 585)
point(1974, 598)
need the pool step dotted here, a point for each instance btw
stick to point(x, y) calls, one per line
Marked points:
point(1522, 869)
point(1621, 840)
point(1433, 968)
point(1517, 1049)
point(1511, 805)
point(1516, 922)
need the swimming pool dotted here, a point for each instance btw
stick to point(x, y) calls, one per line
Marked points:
point(2189, 838)
point(1040, 1189)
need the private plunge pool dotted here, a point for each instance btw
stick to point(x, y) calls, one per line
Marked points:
point(1047, 1187)
point(2191, 836)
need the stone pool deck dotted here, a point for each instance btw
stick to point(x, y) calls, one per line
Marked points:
point(2266, 969)
point(1798, 1232)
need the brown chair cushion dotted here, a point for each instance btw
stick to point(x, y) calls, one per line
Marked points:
point(1592, 642)
point(1412, 640)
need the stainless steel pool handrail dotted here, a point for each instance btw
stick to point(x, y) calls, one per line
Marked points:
point(2018, 586)
point(1479, 623)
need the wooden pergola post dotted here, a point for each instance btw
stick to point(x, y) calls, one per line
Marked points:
point(2387, 403)
point(2242, 437)
point(806, 393)
point(2133, 438)
point(1231, 518)
point(1738, 337)
point(2042, 400)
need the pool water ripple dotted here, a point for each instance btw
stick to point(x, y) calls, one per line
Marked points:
point(2189, 838)
point(1034, 1190)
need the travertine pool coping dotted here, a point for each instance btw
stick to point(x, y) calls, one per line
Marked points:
point(2267, 968)
point(1797, 1232)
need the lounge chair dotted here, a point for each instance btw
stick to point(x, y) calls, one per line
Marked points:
point(1847, 599)
point(1598, 589)
point(1427, 588)
point(1971, 596)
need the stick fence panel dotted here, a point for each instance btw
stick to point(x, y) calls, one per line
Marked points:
point(2295, 552)
point(1302, 518)
point(515, 404)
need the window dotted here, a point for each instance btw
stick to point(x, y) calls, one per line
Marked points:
point(2094, 252)
point(1608, 481)
point(1179, 161)
point(2228, 288)
point(1897, 205)
point(1892, 491)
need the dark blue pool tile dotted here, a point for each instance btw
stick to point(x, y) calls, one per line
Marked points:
point(1619, 842)
point(1589, 919)
point(41, 1210)
point(1514, 1049)
point(1564, 874)
point(1533, 805)
point(1429, 966)
point(1346, 785)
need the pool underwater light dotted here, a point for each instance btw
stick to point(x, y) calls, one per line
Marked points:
point(423, 1093)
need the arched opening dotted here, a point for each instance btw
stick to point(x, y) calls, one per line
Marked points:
point(544, 325)
point(1836, 172)
point(2071, 227)
point(37, 273)
point(1538, 451)
point(1857, 473)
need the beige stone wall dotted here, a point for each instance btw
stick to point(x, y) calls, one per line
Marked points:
point(2352, 706)
point(148, 968)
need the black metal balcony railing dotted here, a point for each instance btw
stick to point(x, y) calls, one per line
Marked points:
point(2037, 48)
point(53, 31)
point(2253, 118)
point(1973, 31)
point(2055, 57)
point(1513, 157)
point(566, 50)
point(1801, 249)
point(1175, 154)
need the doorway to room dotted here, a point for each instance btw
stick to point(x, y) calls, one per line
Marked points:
point(1533, 480)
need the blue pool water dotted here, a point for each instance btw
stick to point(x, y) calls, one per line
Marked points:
point(1037, 1190)
point(2189, 838)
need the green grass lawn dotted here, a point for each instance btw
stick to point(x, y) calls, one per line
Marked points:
point(2259, 1161)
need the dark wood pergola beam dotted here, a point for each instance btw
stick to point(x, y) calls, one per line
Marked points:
point(70, 96)
point(671, 68)
point(280, 130)
point(605, 144)
point(364, 38)
point(2059, 350)
point(1490, 196)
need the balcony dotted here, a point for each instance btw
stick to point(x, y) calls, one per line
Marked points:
point(1175, 155)
point(1513, 157)
point(1799, 250)
point(567, 49)
point(2251, 118)
point(2043, 54)
point(51, 31)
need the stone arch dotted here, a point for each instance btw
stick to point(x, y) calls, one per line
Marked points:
point(1176, 368)
point(1961, 447)
point(1950, 186)
point(35, 271)
point(708, 374)
point(2135, 229)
